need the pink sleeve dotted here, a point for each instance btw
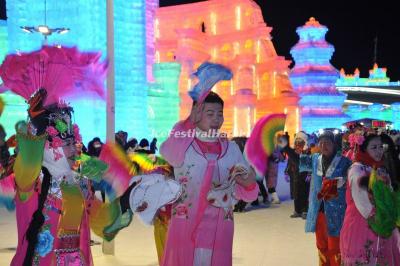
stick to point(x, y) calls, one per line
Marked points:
point(358, 193)
point(247, 194)
point(174, 148)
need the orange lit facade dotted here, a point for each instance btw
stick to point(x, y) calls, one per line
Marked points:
point(232, 33)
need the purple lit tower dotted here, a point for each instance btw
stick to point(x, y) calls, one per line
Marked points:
point(313, 78)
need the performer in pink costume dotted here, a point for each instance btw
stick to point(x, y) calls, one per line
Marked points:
point(55, 204)
point(54, 199)
point(359, 244)
point(201, 226)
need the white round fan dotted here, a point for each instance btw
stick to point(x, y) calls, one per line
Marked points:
point(152, 193)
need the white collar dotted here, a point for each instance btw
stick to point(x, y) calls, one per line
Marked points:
point(206, 136)
point(331, 168)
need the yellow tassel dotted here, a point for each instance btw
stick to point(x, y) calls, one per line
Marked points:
point(372, 179)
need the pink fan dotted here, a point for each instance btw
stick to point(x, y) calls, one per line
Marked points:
point(91, 72)
point(49, 71)
point(11, 71)
point(61, 71)
point(91, 78)
point(261, 144)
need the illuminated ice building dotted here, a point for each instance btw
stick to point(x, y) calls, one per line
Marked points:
point(314, 78)
point(134, 54)
point(232, 33)
point(375, 97)
point(15, 105)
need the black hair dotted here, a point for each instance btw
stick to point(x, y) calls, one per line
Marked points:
point(37, 221)
point(368, 138)
point(153, 146)
point(2, 132)
point(144, 143)
point(91, 150)
point(212, 97)
point(132, 143)
point(241, 142)
point(327, 134)
point(338, 141)
point(386, 139)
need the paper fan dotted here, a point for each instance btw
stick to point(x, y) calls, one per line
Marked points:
point(119, 170)
point(261, 144)
point(208, 74)
point(152, 193)
point(60, 71)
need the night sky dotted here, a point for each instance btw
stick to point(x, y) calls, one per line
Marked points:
point(353, 26)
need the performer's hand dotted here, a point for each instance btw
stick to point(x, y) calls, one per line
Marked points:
point(328, 190)
point(243, 181)
point(287, 178)
point(245, 178)
point(239, 170)
point(195, 113)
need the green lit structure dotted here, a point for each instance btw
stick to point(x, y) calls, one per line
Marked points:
point(163, 100)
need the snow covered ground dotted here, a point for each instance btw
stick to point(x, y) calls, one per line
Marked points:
point(263, 236)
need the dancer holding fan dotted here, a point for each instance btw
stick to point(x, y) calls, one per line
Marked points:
point(213, 175)
point(54, 201)
point(369, 235)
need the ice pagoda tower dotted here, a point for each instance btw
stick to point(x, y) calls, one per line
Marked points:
point(313, 78)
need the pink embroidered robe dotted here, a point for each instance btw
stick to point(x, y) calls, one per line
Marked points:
point(24, 212)
point(359, 245)
point(192, 229)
